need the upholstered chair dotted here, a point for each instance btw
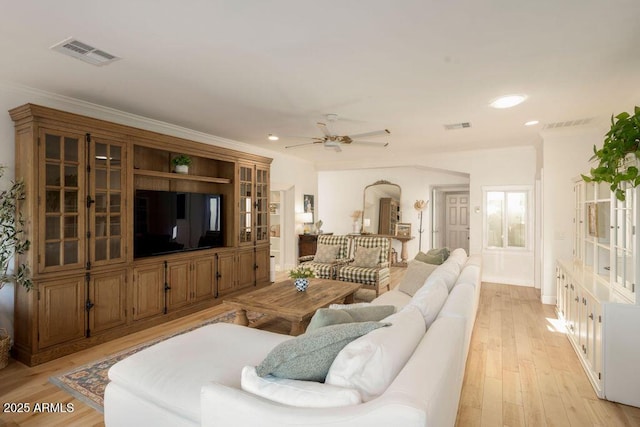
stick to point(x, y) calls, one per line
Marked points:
point(332, 251)
point(370, 264)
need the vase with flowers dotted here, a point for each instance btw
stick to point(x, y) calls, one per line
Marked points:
point(301, 276)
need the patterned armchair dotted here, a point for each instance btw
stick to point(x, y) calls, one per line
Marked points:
point(332, 252)
point(369, 266)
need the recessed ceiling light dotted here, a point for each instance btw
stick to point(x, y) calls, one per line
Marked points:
point(273, 137)
point(507, 101)
point(532, 122)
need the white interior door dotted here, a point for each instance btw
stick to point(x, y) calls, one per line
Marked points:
point(457, 221)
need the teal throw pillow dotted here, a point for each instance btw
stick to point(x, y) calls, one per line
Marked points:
point(309, 356)
point(331, 316)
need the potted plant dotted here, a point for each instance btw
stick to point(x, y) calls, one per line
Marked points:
point(13, 243)
point(181, 163)
point(12, 235)
point(301, 276)
point(616, 158)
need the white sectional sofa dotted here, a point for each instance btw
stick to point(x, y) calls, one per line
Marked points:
point(194, 379)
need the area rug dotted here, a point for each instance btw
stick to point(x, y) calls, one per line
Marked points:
point(88, 382)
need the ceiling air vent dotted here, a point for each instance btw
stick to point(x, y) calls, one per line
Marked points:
point(84, 52)
point(568, 123)
point(454, 126)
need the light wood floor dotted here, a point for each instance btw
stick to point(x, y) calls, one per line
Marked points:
point(520, 371)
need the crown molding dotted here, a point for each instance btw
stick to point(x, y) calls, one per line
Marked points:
point(85, 108)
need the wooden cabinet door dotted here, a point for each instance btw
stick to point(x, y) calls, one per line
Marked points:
point(61, 311)
point(246, 198)
point(107, 293)
point(246, 268)
point(263, 265)
point(148, 291)
point(61, 201)
point(178, 274)
point(106, 190)
point(203, 283)
point(226, 272)
point(261, 211)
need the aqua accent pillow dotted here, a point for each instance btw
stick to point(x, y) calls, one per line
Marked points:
point(309, 356)
point(330, 316)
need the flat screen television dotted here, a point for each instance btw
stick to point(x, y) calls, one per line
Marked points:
point(168, 221)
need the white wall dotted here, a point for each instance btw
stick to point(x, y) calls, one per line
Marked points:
point(286, 171)
point(566, 155)
point(498, 167)
point(341, 192)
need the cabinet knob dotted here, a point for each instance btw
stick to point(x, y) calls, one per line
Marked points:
point(591, 316)
point(577, 299)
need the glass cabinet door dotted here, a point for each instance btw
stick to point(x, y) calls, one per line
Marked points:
point(579, 223)
point(623, 243)
point(246, 204)
point(262, 205)
point(106, 180)
point(61, 204)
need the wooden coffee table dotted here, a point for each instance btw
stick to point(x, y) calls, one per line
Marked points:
point(283, 300)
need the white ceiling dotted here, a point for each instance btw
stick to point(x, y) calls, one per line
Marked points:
point(244, 69)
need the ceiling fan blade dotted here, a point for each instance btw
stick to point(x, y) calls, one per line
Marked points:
point(374, 133)
point(324, 129)
point(303, 144)
point(371, 143)
point(315, 138)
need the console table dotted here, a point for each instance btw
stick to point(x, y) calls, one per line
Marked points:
point(403, 254)
point(308, 243)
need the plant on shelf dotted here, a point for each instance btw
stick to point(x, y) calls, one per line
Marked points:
point(181, 159)
point(12, 235)
point(301, 273)
point(621, 143)
point(181, 163)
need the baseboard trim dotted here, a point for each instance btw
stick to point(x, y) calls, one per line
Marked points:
point(548, 299)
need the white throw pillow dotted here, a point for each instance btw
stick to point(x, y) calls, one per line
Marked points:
point(429, 300)
point(370, 363)
point(326, 253)
point(305, 394)
point(415, 276)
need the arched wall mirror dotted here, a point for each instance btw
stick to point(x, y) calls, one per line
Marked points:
point(381, 208)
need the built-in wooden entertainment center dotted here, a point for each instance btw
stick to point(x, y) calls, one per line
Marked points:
point(81, 177)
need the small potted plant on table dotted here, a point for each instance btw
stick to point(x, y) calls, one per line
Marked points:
point(301, 276)
point(181, 163)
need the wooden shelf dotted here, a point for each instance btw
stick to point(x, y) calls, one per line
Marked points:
point(187, 177)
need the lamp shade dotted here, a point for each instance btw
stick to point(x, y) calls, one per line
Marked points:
point(307, 217)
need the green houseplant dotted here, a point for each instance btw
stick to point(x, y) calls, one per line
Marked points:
point(12, 235)
point(620, 143)
point(181, 163)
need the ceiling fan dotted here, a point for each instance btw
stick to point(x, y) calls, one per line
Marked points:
point(330, 140)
